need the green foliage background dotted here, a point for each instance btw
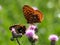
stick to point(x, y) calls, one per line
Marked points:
point(12, 13)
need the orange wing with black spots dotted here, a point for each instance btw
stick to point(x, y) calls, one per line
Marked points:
point(31, 15)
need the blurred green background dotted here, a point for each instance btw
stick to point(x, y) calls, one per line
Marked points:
point(11, 13)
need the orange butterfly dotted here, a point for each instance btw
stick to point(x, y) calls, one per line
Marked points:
point(31, 15)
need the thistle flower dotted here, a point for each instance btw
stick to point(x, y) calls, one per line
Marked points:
point(30, 33)
point(35, 37)
point(53, 38)
point(31, 27)
point(30, 30)
point(13, 30)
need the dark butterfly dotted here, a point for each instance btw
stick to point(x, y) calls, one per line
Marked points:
point(18, 28)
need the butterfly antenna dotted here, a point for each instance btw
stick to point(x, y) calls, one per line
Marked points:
point(17, 41)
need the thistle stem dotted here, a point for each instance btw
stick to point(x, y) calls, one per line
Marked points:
point(32, 43)
point(17, 41)
point(52, 42)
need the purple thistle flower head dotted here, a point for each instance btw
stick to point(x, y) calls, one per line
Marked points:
point(53, 37)
point(30, 33)
point(32, 28)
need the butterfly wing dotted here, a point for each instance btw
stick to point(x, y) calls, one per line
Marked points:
point(39, 15)
point(18, 28)
point(28, 12)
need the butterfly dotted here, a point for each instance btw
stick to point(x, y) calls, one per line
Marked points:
point(18, 28)
point(31, 15)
